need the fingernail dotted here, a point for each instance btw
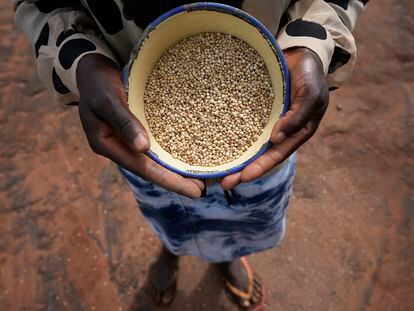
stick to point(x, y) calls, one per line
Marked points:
point(141, 142)
point(198, 182)
point(278, 138)
point(232, 181)
point(194, 193)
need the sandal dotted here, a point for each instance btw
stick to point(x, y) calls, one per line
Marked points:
point(242, 298)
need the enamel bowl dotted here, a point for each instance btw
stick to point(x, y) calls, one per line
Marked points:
point(189, 20)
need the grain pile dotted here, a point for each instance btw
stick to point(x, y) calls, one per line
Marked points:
point(208, 99)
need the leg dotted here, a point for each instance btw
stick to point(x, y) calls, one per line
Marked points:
point(162, 278)
point(236, 274)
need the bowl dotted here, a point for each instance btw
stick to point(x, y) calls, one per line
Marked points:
point(188, 20)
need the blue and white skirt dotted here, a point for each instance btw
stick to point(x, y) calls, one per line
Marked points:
point(222, 225)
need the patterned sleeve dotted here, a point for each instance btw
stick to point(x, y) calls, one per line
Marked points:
point(61, 33)
point(324, 27)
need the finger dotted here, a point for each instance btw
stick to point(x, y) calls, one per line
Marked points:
point(198, 182)
point(278, 153)
point(231, 181)
point(117, 114)
point(115, 149)
point(159, 175)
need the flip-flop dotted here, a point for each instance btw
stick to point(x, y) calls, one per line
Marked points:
point(237, 296)
point(164, 287)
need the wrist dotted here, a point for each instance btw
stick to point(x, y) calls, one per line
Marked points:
point(93, 64)
point(296, 55)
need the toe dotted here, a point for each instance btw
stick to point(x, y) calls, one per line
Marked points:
point(256, 285)
point(167, 297)
point(154, 293)
point(257, 292)
point(159, 296)
point(245, 303)
point(255, 298)
point(149, 290)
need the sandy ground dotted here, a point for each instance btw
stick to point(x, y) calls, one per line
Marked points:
point(71, 236)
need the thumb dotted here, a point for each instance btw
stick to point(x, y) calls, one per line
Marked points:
point(293, 121)
point(127, 125)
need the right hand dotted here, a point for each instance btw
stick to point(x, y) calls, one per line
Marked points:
point(114, 132)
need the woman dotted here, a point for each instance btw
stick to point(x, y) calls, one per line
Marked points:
point(80, 47)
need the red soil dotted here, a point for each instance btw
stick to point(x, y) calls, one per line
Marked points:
point(71, 236)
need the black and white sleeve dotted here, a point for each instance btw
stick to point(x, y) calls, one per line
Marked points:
point(61, 34)
point(325, 27)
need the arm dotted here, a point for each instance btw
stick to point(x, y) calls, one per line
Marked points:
point(77, 66)
point(325, 27)
point(61, 34)
point(320, 51)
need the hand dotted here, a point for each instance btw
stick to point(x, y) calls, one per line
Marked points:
point(309, 101)
point(114, 132)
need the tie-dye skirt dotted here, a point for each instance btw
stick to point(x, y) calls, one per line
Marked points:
point(222, 225)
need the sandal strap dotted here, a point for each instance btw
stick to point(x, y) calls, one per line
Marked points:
point(250, 278)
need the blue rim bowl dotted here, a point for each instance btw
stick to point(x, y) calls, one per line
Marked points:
point(221, 8)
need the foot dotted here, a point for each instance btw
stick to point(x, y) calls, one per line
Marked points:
point(162, 278)
point(235, 273)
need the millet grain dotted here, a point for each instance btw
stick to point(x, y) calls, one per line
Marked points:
point(208, 99)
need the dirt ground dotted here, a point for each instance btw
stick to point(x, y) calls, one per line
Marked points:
point(71, 236)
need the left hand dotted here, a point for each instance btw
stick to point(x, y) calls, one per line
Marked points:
point(310, 97)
